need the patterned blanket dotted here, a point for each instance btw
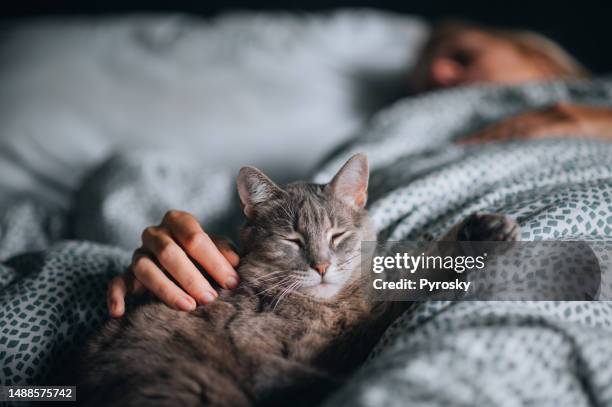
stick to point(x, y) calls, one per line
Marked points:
point(495, 353)
point(438, 353)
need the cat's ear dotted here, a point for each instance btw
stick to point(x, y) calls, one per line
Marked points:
point(254, 188)
point(350, 184)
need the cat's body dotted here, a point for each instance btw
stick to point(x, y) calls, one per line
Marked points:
point(241, 350)
point(296, 325)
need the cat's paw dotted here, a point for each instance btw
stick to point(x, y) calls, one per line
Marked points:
point(489, 227)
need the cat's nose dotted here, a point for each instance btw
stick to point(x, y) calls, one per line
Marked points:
point(322, 267)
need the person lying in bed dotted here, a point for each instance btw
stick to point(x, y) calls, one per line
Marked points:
point(456, 54)
point(460, 54)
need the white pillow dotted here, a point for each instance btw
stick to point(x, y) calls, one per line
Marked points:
point(274, 90)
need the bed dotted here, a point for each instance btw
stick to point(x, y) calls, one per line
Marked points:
point(88, 165)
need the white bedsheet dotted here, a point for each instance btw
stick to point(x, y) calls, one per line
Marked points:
point(273, 90)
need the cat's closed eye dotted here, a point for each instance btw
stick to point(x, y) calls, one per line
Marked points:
point(294, 240)
point(337, 237)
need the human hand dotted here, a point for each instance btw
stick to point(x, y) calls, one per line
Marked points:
point(560, 119)
point(168, 253)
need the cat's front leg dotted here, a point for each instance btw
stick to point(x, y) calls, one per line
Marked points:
point(484, 227)
point(478, 227)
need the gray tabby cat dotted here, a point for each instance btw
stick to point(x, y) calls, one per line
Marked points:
point(297, 324)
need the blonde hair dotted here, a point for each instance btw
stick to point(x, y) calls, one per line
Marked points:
point(539, 46)
point(527, 42)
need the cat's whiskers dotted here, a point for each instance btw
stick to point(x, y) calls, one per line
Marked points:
point(288, 291)
point(280, 293)
point(272, 277)
point(274, 274)
point(275, 286)
point(267, 277)
point(279, 285)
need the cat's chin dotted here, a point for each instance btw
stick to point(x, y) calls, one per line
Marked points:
point(322, 290)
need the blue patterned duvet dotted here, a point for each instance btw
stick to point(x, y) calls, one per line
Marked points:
point(439, 353)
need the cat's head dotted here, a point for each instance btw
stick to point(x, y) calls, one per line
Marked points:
point(305, 237)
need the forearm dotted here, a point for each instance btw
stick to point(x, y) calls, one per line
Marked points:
point(558, 120)
point(594, 121)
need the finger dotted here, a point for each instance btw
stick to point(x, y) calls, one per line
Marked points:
point(134, 286)
point(118, 288)
point(227, 249)
point(174, 260)
point(190, 235)
point(115, 296)
point(147, 272)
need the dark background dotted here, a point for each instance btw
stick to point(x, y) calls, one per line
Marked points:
point(582, 27)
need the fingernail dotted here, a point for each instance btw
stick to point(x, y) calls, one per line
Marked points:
point(209, 297)
point(231, 282)
point(186, 304)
